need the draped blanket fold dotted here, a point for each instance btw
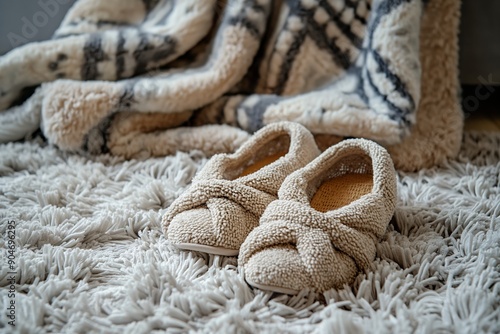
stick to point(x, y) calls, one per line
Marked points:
point(144, 78)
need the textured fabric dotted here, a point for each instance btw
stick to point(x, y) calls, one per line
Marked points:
point(145, 78)
point(222, 206)
point(91, 256)
point(345, 188)
point(297, 247)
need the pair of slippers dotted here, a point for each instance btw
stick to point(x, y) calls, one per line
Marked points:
point(298, 218)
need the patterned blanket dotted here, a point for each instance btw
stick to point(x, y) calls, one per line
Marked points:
point(142, 78)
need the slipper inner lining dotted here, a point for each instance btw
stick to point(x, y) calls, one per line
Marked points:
point(261, 163)
point(263, 154)
point(339, 191)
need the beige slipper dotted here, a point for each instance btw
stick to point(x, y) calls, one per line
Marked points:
point(231, 192)
point(323, 228)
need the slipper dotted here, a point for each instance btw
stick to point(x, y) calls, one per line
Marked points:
point(323, 228)
point(231, 192)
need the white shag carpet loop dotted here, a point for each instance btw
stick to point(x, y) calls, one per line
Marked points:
point(91, 256)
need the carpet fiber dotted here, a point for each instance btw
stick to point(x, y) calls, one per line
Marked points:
point(91, 256)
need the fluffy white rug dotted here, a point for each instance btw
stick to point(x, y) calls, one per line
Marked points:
point(91, 256)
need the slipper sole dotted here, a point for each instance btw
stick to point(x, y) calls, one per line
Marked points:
point(208, 249)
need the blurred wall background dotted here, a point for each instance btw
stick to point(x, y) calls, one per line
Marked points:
point(23, 21)
point(480, 41)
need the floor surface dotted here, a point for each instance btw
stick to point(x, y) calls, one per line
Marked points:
point(481, 107)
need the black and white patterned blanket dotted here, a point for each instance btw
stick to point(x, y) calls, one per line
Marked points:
point(150, 77)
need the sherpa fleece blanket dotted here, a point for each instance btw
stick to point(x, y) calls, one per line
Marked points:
point(142, 78)
point(90, 255)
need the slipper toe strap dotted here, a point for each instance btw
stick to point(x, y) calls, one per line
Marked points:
point(321, 241)
point(227, 202)
point(251, 199)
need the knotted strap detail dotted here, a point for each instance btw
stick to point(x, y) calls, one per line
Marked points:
point(251, 199)
point(234, 209)
point(320, 239)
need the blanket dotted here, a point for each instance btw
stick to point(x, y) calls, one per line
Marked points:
point(144, 78)
point(90, 255)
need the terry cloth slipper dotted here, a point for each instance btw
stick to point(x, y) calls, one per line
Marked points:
point(231, 192)
point(323, 228)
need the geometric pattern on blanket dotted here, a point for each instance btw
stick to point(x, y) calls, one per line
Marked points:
point(160, 76)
